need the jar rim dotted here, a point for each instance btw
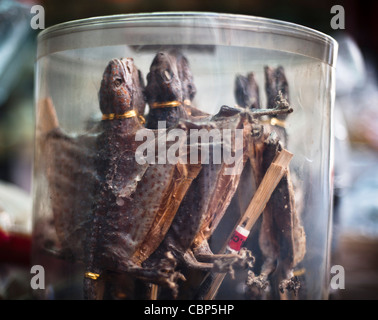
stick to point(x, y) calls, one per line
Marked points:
point(194, 19)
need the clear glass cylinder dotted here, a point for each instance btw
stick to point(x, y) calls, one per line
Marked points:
point(117, 216)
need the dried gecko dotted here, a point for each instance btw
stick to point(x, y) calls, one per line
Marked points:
point(212, 178)
point(131, 204)
point(282, 237)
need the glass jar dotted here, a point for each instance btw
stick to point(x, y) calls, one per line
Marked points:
point(141, 120)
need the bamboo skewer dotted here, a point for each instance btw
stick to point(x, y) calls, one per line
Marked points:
point(272, 177)
point(270, 181)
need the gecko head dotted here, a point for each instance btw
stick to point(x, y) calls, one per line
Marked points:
point(241, 90)
point(116, 91)
point(247, 91)
point(163, 83)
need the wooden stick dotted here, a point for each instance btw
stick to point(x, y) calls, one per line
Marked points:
point(153, 291)
point(270, 181)
point(272, 177)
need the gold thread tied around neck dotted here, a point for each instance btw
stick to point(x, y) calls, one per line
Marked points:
point(112, 116)
point(126, 115)
point(91, 275)
point(167, 104)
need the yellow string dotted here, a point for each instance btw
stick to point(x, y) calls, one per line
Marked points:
point(166, 104)
point(91, 275)
point(127, 114)
point(112, 116)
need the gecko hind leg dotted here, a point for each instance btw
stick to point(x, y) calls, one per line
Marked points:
point(225, 262)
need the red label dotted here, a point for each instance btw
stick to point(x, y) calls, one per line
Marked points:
point(237, 241)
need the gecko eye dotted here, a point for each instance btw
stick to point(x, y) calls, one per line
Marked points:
point(167, 75)
point(117, 82)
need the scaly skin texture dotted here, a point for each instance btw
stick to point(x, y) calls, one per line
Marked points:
point(118, 175)
point(171, 79)
point(282, 238)
point(72, 180)
point(204, 205)
point(135, 203)
point(109, 210)
point(247, 92)
point(164, 85)
point(211, 192)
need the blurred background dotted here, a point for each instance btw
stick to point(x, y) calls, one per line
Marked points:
point(355, 229)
